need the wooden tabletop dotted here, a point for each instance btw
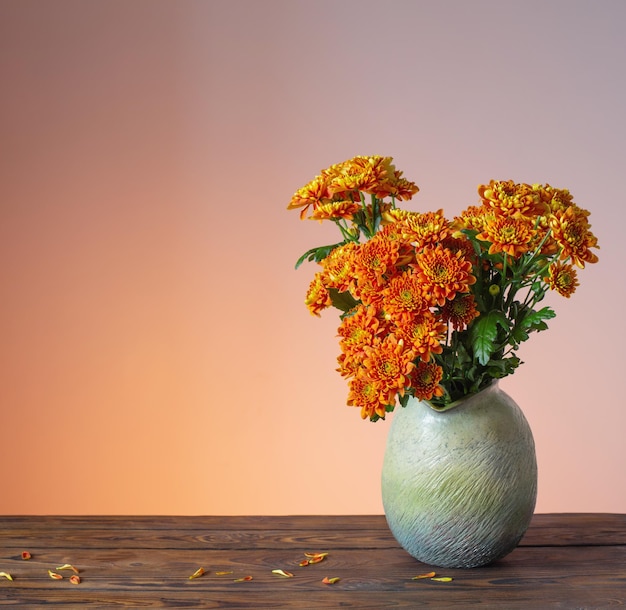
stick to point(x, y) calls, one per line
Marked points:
point(564, 561)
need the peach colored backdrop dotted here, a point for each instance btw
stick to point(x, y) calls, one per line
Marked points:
point(156, 355)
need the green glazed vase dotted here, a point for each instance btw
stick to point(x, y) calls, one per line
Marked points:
point(459, 486)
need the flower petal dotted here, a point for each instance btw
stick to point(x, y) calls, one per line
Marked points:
point(427, 575)
point(442, 579)
point(68, 566)
point(6, 575)
point(199, 572)
point(330, 581)
point(283, 573)
point(75, 579)
point(26, 555)
point(244, 579)
point(55, 575)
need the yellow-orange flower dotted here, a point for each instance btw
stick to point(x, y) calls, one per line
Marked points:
point(460, 311)
point(562, 278)
point(359, 329)
point(443, 273)
point(508, 234)
point(365, 393)
point(425, 379)
point(508, 198)
point(388, 363)
point(317, 296)
point(421, 229)
point(403, 298)
point(313, 194)
point(571, 231)
point(474, 218)
point(360, 174)
point(334, 210)
point(425, 335)
point(374, 259)
point(339, 267)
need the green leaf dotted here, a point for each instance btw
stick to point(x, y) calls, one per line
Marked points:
point(533, 320)
point(318, 254)
point(485, 332)
point(342, 300)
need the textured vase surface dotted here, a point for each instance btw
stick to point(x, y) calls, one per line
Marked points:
point(459, 486)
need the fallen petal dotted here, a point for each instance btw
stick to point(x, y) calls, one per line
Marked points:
point(318, 558)
point(283, 573)
point(442, 579)
point(223, 572)
point(26, 555)
point(199, 572)
point(304, 562)
point(68, 566)
point(420, 576)
point(75, 579)
point(245, 578)
point(55, 575)
point(6, 575)
point(315, 555)
point(330, 581)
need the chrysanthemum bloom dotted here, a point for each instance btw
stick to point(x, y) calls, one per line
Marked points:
point(461, 244)
point(508, 198)
point(473, 217)
point(558, 200)
point(374, 259)
point(425, 335)
point(388, 363)
point(508, 234)
point(317, 296)
point(365, 393)
point(403, 298)
point(335, 210)
point(360, 174)
point(443, 273)
point(571, 230)
point(460, 311)
point(339, 267)
point(562, 278)
point(425, 379)
point(421, 229)
point(358, 330)
point(313, 194)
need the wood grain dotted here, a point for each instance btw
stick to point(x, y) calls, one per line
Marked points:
point(564, 561)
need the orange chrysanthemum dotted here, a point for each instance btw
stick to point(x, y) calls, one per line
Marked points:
point(317, 296)
point(460, 311)
point(403, 297)
point(365, 393)
point(562, 278)
point(571, 231)
point(339, 267)
point(422, 229)
point(388, 363)
point(334, 210)
point(474, 218)
point(508, 234)
point(424, 335)
point(360, 174)
point(313, 194)
point(374, 259)
point(511, 199)
point(443, 273)
point(425, 379)
point(358, 330)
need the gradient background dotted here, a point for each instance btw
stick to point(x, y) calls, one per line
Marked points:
point(155, 353)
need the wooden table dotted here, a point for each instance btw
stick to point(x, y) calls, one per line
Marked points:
point(565, 561)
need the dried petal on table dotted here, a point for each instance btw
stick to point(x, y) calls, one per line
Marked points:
point(223, 572)
point(283, 573)
point(244, 579)
point(199, 572)
point(26, 555)
point(55, 575)
point(442, 579)
point(68, 566)
point(427, 575)
point(6, 575)
point(330, 581)
point(75, 579)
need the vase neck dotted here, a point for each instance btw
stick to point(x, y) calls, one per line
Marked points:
point(461, 401)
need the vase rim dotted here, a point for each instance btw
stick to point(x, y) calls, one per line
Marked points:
point(457, 403)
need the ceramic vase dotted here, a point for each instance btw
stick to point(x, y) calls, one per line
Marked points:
point(459, 486)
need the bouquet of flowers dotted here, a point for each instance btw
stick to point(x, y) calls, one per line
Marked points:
point(430, 307)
